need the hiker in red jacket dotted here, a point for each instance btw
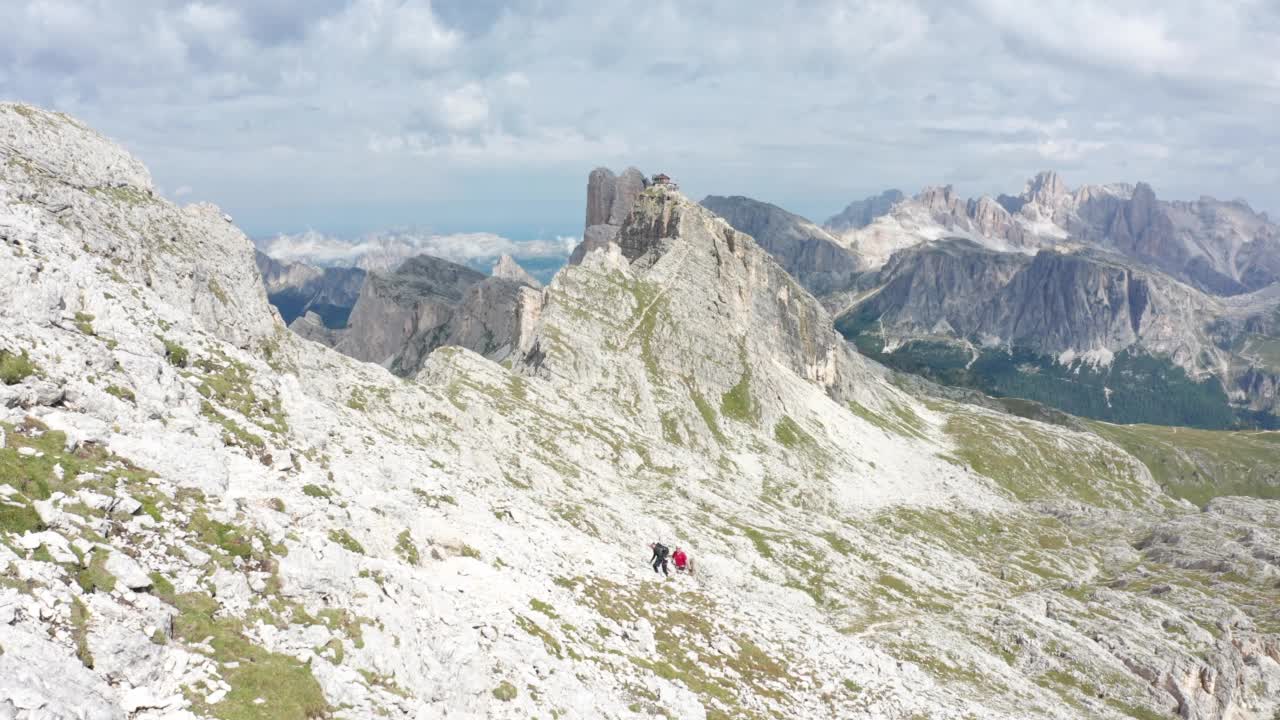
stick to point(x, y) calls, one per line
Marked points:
point(682, 561)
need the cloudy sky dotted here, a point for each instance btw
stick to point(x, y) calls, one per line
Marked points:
point(350, 116)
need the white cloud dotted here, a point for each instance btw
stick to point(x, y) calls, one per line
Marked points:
point(358, 114)
point(182, 191)
point(381, 251)
point(464, 109)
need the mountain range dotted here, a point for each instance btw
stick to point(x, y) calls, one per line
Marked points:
point(1102, 301)
point(204, 515)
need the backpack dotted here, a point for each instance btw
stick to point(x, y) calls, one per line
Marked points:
point(661, 551)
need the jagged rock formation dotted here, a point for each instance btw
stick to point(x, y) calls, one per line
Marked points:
point(426, 303)
point(609, 199)
point(1063, 307)
point(809, 253)
point(506, 268)
point(296, 289)
point(406, 306)
point(228, 521)
point(861, 213)
point(1223, 248)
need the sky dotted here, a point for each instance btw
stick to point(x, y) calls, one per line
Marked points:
point(342, 118)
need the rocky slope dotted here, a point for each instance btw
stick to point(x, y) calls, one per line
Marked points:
point(296, 289)
point(207, 516)
point(809, 253)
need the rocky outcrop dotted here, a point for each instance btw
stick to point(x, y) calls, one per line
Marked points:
point(409, 306)
point(427, 303)
point(861, 213)
point(295, 289)
point(506, 268)
point(312, 327)
point(809, 253)
point(609, 200)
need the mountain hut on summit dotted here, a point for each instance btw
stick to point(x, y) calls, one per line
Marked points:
point(665, 180)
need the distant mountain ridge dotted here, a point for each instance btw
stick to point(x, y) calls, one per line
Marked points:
point(1105, 275)
point(296, 288)
point(1223, 248)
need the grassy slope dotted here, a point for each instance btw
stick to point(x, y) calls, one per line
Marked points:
point(1199, 465)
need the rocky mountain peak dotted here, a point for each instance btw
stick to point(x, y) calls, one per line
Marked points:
point(861, 213)
point(1046, 188)
point(508, 269)
point(609, 200)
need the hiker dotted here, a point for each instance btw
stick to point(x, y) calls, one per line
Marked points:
point(682, 561)
point(659, 558)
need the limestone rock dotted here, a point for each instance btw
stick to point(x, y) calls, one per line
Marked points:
point(506, 268)
point(815, 258)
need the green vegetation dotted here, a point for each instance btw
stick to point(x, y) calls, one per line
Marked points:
point(1135, 388)
point(1199, 465)
point(15, 368)
point(84, 323)
point(80, 631)
point(684, 630)
point(19, 519)
point(738, 403)
point(175, 353)
point(548, 640)
point(789, 434)
point(357, 400)
point(1033, 461)
point(229, 383)
point(544, 608)
point(506, 692)
point(233, 435)
point(343, 538)
point(95, 577)
point(290, 690)
point(123, 393)
point(316, 491)
point(708, 414)
point(406, 548)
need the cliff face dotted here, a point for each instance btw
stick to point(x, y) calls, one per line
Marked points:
point(296, 289)
point(609, 200)
point(426, 303)
point(809, 253)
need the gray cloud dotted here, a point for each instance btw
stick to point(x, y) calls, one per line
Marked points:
point(352, 115)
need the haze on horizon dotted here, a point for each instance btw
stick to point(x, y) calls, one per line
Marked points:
point(481, 116)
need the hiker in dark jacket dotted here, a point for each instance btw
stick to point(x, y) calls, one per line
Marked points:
point(659, 558)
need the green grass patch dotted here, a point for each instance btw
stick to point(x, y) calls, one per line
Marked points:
point(84, 323)
point(506, 692)
point(1199, 465)
point(789, 434)
point(406, 548)
point(343, 538)
point(15, 368)
point(175, 354)
point(317, 491)
point(80, 632)
point(123, 393)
